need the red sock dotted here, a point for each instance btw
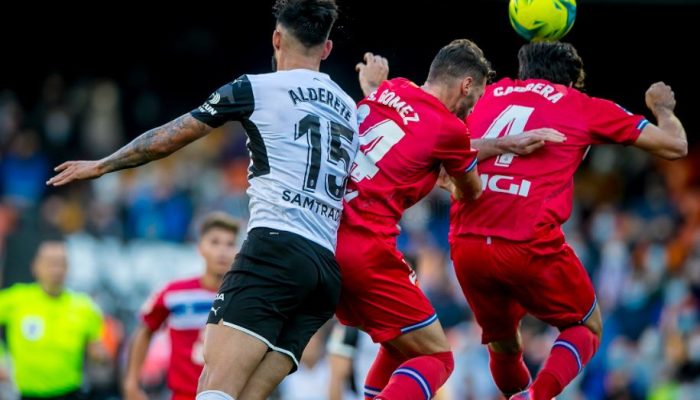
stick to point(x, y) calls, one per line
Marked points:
point(571, 352)
point(419, 378)
point(386, 362)
point(509, 372)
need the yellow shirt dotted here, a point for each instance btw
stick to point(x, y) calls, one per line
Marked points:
point(47, 337)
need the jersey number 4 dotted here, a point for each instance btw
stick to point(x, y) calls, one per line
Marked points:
point(512, 121)
point(375, 143)
point(310, 126)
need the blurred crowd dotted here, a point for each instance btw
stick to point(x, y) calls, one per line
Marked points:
point(636, 227)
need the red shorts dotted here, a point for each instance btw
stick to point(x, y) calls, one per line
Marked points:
point(182, 396)
point(502, 280)
point(380, 294)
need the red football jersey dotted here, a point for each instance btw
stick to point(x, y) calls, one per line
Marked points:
point(185, 305)
point(523, 193)
point(405, 135)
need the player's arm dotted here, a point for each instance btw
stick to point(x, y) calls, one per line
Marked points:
point(5, 307)
point(95, 326)
point(341, 348)
point(341, 369)
point(667, 139)
point(372, 72)
point(151, 145)
point(153, 314)
point(137, 354)
point(464, 187)
point(231, 102)
point(523, 144)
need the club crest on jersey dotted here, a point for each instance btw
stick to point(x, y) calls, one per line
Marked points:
point(219, 296)
point(215, 98)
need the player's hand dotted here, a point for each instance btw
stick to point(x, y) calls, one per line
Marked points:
point(660, 96)
point(444, 181)
point(4, 375)
point(133, 391)
point(372, 72)
point(75, 170)
point(530, 141)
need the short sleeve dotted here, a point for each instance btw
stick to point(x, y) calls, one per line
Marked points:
point(154, 312)
point(231, 102)
point(454, 150)
point(610, 123)
point(6, 299)
point(94, 321)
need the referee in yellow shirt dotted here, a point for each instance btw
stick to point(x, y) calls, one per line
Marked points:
point(49, 330)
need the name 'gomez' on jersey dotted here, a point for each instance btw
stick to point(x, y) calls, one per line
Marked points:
point(302, 139)
point(524, 193)
point(405, 135)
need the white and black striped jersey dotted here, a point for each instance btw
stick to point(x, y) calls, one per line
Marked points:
point(302, 139)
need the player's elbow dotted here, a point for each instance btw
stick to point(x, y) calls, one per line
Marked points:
point(476, 193)
point(470, 193)
point(676, 150)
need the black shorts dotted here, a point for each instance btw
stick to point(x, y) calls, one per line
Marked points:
point(281, 289)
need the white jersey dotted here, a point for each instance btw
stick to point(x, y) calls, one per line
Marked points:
point(302, 139)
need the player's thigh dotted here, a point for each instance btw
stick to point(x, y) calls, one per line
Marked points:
point(315, 310)
point(559, 291)
point(268, 375)
point(477, 262)
point(271, 276)
point(380, 294)
point(227, 350)
point(297, 332)
point(427, 340)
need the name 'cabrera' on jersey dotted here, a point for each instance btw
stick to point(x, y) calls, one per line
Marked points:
point(302, 139)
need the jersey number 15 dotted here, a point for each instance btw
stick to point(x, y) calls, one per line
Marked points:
point(310, 127)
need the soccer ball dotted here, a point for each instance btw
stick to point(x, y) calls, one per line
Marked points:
point(542, 19)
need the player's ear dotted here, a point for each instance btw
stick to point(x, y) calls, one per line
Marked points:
point(276, 39)
point(327, 47)
point(467, 84)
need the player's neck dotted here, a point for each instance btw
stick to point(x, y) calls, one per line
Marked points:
point(290, 62)
point(210, 281)
point(53, 291)
point(441, 93)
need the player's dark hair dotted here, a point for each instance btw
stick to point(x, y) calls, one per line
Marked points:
point(458, 59)
point(219, 220)
point(310, 21)
point(556, 62)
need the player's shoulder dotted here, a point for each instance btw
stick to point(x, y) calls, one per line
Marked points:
point(19, 290)
point(83, 301)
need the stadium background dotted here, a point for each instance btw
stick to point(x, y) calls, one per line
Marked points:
point(83, 83)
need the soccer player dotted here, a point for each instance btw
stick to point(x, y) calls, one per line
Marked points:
point(185, 305)
point(350, 355)
point(50, 330)
point(302, 138)
point(407, 132)
point(508, 249)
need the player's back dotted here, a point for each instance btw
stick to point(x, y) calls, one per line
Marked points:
point(522, 193)
point(405, 134)
point(302, 138)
